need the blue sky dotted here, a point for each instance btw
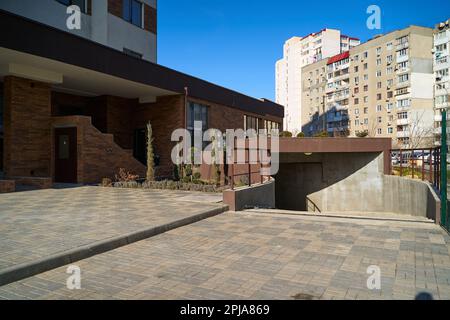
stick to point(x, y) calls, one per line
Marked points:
point(235, 43)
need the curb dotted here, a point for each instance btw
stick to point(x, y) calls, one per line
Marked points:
point(29, 269)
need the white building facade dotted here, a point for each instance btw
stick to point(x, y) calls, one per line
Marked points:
point(126, 25)
point(297, 53)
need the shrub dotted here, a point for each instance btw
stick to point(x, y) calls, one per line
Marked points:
point(286, 134)
point(125, 176)
point(322, 134)
point(106, 182)
point(196, 176)
point(362, 134)
point(150, 154)
point(176, 173)
point(301, 135)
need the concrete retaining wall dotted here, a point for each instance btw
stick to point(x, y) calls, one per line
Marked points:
point(259, 196)
point(368, 190)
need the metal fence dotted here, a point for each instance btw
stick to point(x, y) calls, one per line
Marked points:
point(423, 164)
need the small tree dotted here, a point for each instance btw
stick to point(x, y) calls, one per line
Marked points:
point(300, 135)
point(362, 134)
point(150, 154)
point(322, 134)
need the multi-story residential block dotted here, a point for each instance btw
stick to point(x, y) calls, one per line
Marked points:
point(384, 87)
point(74, 110)
point(126, 25)
point(441, 65)
point(297, 53)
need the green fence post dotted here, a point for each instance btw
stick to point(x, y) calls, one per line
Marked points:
point(444, 168)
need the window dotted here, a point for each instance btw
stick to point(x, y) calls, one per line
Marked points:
point(379, 50)
point(366, 77)
point(401, 91)
point(366, 99)
point(366, 110)
point(390, 58)
point(356, 90)
point(197, 112)
point(403, 65)
point(379, 131)
point(389, 70)
point(404, 103)
point(389, 106)
point(391, 118)
point(357, 122)
point(356, 111)
point(390, 94)
point(403, 78)
point(251, 123)
point(356, 69)
point(379, 84)
point(132, 12)
point(366, 66)
point(378, 62)
point(356, 101)
point(357, 80)
point(379, 96)
point(365, 55)
point(403, 52)
point(390, 130)
point(270, 125)
point(379, 73)
point(390, 82)
point(380, 120)
point(80, 3)
point(389, 46)
point(366, 121)
point(402, 115)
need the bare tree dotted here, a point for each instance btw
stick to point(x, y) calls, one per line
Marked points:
point(421, 131)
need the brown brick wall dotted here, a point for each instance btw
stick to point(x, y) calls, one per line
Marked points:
point(115, 7)
point(166, 115)
point(27, 127)
point(150, 19)
point(98, 155)
point(119, 120)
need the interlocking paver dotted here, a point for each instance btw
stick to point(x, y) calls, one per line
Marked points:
point(36, 224)
point(262, 256)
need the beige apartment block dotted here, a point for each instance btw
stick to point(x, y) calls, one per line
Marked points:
point(382, 88)
point(297, 53)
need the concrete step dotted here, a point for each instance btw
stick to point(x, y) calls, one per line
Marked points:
point(348, 214)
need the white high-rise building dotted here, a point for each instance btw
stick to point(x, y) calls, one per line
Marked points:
point(297, 53)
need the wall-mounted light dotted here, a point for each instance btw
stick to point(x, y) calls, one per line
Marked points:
point(308, 154)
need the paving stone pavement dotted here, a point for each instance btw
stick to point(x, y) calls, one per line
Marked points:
point(37, 224)
point(262, 256)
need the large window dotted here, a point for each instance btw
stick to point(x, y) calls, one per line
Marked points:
point(132, 12)
point(251, 123)
point(197, 112)
point(80, 3)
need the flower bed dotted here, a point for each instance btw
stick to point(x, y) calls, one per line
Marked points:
point(169, 185)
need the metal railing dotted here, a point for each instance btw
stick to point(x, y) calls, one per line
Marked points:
point(248, 172)
point(422, 163)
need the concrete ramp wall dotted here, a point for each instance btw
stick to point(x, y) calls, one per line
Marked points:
point(369, 190)
point(256, 196)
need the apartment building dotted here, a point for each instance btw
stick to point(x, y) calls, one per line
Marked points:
point(441, 66)
point(384, 87)
point(126, 25)
point(297, 53)
point(75, 111)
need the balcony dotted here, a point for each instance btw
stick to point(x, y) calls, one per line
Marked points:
point(402, 46)
point(402, 122)
point(441, 40)
point(402, 58)
point(402, 134)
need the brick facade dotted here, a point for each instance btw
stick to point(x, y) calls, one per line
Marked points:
point(98, 155)
point(166, 115)
point(27, 110)
point(115, 7)
point(150, 19)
